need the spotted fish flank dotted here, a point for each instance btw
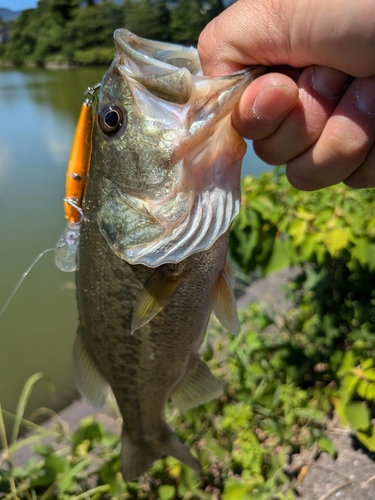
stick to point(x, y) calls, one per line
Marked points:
point(163, 188)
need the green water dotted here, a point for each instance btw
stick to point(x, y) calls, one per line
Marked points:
point(38, 110)
point(38, 114)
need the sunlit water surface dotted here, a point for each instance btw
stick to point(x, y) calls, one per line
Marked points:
point(39, 110)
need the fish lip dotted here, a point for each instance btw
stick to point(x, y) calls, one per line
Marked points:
point(139, 50)
point(127, 40)
point(153, 52)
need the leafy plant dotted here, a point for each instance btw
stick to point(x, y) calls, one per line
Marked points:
point(330, 235)
point(279, 226)
point(74, 32)
point(283, 375)
point(243, 440)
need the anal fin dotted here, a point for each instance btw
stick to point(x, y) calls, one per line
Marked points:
point(198, 387)
point(225, 307)
point(91, 383)
point(153, 297)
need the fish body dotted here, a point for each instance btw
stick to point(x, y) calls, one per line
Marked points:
point(162, 190)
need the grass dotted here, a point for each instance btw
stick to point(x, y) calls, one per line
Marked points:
point(244, 441)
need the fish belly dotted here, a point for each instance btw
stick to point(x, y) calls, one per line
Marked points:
point(145, 367)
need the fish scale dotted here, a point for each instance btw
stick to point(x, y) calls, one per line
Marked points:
point(141, 386)
point(163, 184)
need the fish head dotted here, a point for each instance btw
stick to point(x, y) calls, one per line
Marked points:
point(165, 156)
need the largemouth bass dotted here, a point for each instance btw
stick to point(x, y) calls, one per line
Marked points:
point(163, 188)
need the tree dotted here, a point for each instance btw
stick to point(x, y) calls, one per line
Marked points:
point(94, 26)
point(89, 35)
point(40, 32)
point(64, 8)
point(189, 17)
point(147, 18)
point(81, 30)
point(23, 38)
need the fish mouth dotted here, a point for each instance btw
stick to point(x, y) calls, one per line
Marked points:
point(159, 54)
point(163, 68)
point(192, 114)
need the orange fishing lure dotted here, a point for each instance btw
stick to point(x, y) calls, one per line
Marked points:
point(78, 166)
point(76, 176)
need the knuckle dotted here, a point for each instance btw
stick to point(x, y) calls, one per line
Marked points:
point(269, 153)
point(356, 182)
point(347, 145)
point(364, 175)
point(361, 179)
point(302, 181)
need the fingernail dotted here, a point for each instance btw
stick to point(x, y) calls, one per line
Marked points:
point(273, 102)
point(364, 95)
point(328, 81)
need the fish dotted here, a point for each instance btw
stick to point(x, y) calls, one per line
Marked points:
point(161, 193)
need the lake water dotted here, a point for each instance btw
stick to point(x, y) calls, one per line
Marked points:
point(39, 110)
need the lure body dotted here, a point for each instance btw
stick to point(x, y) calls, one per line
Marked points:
point(78, 165)
point(76, 178)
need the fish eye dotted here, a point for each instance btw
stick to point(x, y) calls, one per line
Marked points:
point(111, 119)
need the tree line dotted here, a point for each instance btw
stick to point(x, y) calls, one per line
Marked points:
point(73, 32)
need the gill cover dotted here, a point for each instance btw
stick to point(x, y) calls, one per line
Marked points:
point(184, 192)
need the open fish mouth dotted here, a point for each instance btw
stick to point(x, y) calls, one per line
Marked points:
point(196, 194)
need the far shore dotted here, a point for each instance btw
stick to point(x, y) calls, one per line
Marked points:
point(48, 65)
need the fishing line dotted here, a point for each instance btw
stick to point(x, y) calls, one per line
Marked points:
point(78, 165)
point(21, 280)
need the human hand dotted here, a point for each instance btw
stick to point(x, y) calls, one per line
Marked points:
point(315, 109)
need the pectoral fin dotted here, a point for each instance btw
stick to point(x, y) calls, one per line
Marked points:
point(91, 383)
point(225, 307)
point(156, 291)
point(229, 271)
point(199, 387)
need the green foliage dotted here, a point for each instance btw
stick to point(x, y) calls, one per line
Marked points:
point(40, 32)
point(148, 18)
point(355, 397)
point(90, 33)
point(282, 375)
point(74, 32)
point(243, 440)
point(93, 56)
point(279, 226)
point(330, 234)
point(23, 40)
point(189, 17)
